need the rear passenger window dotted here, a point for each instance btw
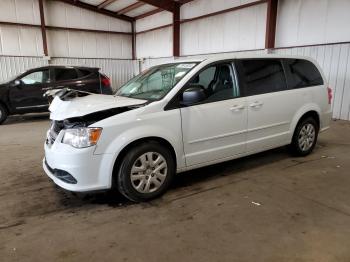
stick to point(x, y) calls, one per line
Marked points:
point(303, 73)
point(262, 76)
point(63, 74)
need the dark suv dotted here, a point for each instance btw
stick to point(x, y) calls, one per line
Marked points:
point(25, 93)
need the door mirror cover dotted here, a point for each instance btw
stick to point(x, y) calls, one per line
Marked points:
point(193, 94)
point(17, 82)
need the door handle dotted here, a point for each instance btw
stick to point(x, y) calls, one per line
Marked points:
point(80, 85)
point(237, 108)
point(256, 104)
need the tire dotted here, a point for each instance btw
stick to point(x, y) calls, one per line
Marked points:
point(305, 137)
point(140, 179)
point(3, 114)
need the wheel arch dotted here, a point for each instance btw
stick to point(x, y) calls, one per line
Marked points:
point(311, 112)
point(5, 106)
point(137, 142)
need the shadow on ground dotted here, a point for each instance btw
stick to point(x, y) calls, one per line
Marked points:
point(193, 179)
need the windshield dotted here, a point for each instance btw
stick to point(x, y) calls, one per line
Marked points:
point(154, 83)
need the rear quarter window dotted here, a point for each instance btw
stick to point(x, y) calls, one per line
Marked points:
point(302, 73)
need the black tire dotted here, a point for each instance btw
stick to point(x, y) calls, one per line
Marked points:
point(124, 183)
point(3, 114)
point(296, 146)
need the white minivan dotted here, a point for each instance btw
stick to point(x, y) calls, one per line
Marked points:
point(183, 115)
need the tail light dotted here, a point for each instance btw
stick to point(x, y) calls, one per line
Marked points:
point(105, 81)
point(330, 96)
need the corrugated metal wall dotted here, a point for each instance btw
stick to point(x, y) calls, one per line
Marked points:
point(306, 22)
point(240, 30)
point(157, 43)
point(162, 38)
point(233, 31)
point(25, 41)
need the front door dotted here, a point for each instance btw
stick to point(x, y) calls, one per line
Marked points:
point(29, 93)
point(215, 129)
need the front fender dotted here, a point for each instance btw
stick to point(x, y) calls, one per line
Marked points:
point(126, 130)
point(4, 98)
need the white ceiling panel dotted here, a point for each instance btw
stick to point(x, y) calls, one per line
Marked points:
point(92, 2)
point(141, 10)
point(119, 4)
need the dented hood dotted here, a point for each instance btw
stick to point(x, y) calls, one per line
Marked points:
point(81, 106)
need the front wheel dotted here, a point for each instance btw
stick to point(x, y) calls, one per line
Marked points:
point(3, 114)
point(146, 172)
point(305, 137)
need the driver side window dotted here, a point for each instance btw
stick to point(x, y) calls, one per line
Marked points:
point(218, 83)
point(37, 77)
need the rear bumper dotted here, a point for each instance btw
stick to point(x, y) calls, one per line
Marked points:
point(326, 121)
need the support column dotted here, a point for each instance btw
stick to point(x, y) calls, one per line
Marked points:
point(271, 20)
point(176, 30)
point(43, 28)
point(133, 30)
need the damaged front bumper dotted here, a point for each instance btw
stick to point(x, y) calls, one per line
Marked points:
point(78, 170)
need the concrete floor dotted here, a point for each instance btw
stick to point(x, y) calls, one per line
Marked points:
point(267, 207)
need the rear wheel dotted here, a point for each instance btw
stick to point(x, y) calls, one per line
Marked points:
point(146, 172)
point(305, 137)
point(3, 114)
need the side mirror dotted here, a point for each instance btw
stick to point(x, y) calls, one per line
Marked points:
point(17, 82)
point(193, 94)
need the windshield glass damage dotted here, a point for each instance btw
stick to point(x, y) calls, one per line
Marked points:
point(154, 83)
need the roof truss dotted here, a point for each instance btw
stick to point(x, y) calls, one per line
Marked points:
point(161, 5)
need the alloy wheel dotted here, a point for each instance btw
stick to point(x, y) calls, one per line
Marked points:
point(148, 172)
point(306, 137)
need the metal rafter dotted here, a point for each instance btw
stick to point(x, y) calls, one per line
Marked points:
point(94, 8)
point(167, 5)
point(158, 10)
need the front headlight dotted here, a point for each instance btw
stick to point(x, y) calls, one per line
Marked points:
point(82, 137)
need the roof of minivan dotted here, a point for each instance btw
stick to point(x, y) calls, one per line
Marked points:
point(220, 57)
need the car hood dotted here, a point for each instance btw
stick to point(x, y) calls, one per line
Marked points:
point(82, 106)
